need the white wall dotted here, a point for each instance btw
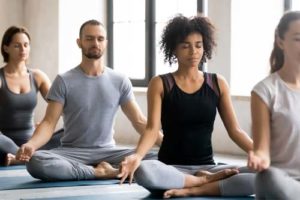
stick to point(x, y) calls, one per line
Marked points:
point(41, 19)
point(219, 13)
point(8, 19)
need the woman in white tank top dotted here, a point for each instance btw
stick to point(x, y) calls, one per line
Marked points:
point(275, 117)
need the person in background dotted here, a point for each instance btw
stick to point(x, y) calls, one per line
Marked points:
point(275, 117)
point(88, 96)
point(185, 103)
point(19, 86)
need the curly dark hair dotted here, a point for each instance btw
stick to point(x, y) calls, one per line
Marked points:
point(179, 27)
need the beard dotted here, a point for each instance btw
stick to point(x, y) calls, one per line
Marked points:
point(92, 54)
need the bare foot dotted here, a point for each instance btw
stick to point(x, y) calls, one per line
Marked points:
point(11, 160)
point(105, 170)
point(204, 177)
point(185, 192)
point(208, 177)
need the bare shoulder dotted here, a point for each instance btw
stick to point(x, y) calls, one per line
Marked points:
point(155, 87)
point(221, 79)
point(156, 80)
point(38, 72)
point(39, 75)
point(155, 83)
point(223, 84)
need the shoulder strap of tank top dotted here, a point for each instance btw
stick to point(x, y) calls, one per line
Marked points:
point(212, 80)
point(168, 82)
point(32, 79)
point(2, 78)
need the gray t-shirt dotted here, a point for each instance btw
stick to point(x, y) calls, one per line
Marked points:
point(89, 106)
point(284, 106)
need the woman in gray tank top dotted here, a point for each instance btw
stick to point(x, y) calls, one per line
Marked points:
point(18, 93)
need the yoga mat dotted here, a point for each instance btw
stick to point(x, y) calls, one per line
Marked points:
point(28, 182)
point(136, 195)
point(107, 196)
point(13, 167)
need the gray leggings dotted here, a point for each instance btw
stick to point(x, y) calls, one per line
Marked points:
point(10, 143)
point(274, 183)
point(155, 175)
point(69, 163)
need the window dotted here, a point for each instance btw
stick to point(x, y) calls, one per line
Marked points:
point(129, 37)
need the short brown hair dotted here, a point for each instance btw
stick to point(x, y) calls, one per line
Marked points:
point(89, 22)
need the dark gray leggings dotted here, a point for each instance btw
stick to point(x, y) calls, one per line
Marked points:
point(155, 175)
point(274, 183)
point(70, 163)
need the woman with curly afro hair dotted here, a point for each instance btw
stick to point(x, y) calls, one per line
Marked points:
point(184, 105)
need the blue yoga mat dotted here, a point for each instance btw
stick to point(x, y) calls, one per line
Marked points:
point(136, 195)
point(28, 182)
point(13, 167)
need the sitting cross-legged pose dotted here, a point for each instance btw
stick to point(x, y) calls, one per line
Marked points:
point(185, 104)
point(19, 86)
point(88, 97)
point(275, 117)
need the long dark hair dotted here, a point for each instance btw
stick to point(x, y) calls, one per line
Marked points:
point(8, 36)
point(277, 57)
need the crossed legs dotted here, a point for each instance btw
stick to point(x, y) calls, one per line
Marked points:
point(155, 175)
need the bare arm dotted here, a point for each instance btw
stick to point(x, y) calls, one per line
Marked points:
point(154, 99)
point(147, 140)
point(43, 82)
point(259, 159)
point(42, 133)
point(229, 118)
point(137, 119)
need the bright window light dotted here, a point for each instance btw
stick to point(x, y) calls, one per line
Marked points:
point(253, 26)
point(129, 38)
point(296, 5)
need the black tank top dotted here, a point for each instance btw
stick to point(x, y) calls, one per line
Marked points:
point(187, 122)
point(16, 110)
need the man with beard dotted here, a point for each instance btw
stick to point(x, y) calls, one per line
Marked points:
point(88, 97)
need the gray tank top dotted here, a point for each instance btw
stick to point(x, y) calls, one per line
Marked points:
point(16, 110)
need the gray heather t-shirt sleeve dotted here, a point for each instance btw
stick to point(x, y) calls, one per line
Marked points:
point(126, 91)
point(57, 91)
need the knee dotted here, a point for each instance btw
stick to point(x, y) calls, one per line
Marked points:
point(266, 181)
point(238, 185)
point(145, 174)
point(265, 177)
point(35, 166)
